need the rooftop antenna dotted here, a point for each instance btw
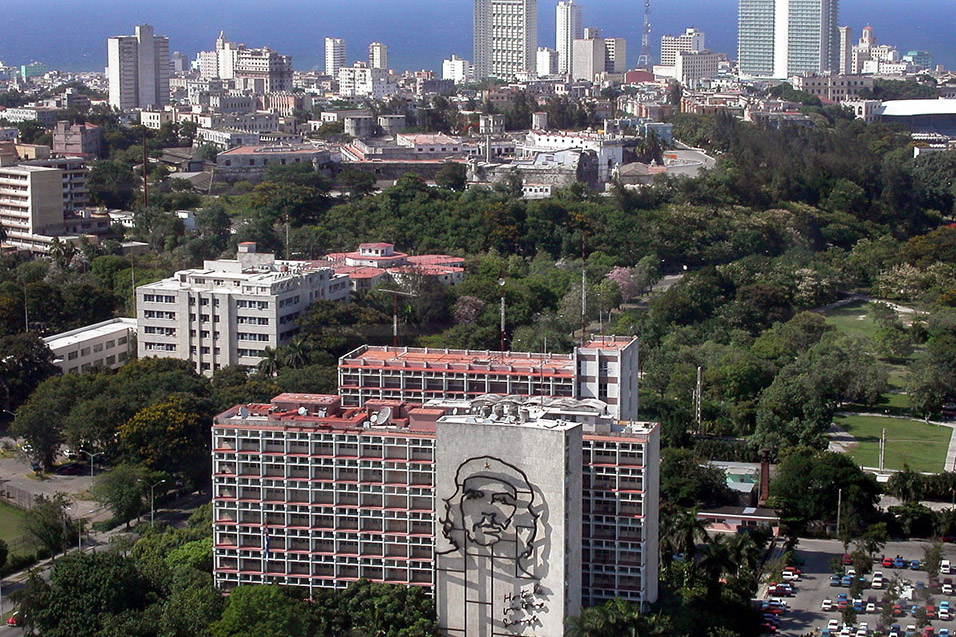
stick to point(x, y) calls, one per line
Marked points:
point(395, 294)
point(501, 284)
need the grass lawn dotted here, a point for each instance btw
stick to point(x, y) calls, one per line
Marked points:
point(913, 442)
point(11, 528)
point(855, 319)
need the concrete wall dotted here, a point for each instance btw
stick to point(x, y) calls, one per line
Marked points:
point(523, 577)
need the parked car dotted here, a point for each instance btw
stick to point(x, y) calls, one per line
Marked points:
point(946, 589)
point(887, 562)
point(897, 611)
point(915, 565)
point(847, 559)
point(834, 580)
point(899, 563)
point(945, 567)
point(930, 611)
point(846, 580)
point(826, 605)
point(871, 607)
point(14, 619)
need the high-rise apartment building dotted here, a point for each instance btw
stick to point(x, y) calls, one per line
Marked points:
point(457, 70)
point(547, 62)
point(378, 56)
point(261, 71)
point(605, 369)
point(593, 55)
point(514, 512)
point(782, 38)
point(568, 28)
point(31, 199)
point(138, 69)
point(228, 311)
point(506, 37)
point(845, 65)
point(362, 80)
point(334, 56)
point(690, 40)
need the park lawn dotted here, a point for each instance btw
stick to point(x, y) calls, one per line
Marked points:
point(912, 442)
point(855, 319)
point(12, 530)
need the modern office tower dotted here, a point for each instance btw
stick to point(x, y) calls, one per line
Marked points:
point(549, 504)
point(547, 62)
point(919, 59)
point(845, 65)
point(605, 368)
point(228, 311)
point(782, 38)
point(262, 71)
point(378, 56)
point(506, 37)
point(568, 28)
point(138, 69)
point(690, 40)
point(334, 56)
point(457, 70)
point(693, 67)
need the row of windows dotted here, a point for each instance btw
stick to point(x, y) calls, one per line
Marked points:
point(159, 314)
point(97, 347)
point(292, 300)
point(159, 347)
point(257, 305)
point(109, 360)
point(159, 298)
point(246, 336)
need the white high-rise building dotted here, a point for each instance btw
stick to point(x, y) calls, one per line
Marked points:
point(782, 38)
point(690, 40)
point(229, 311)
point(506, 37)
point(547, 61)
point(568, 28)
point(138, 69)
point(593, 55)
point(334, 56)
point(846, 50)
point(378, 55)
point(457, 70)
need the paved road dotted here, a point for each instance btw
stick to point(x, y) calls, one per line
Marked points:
point(175, 514)
point(805, 614)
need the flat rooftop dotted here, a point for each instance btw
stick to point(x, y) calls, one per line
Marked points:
point(371, 356)
point(83, 334)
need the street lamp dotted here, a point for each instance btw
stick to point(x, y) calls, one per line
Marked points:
point(92, 455)
point(152, 511)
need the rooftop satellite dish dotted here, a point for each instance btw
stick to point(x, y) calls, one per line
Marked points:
point(384, 414)
point(501, 282)
point(302, 411)
point(366, 424)
point(454, 411)
point(243, 412)
point(373, 418)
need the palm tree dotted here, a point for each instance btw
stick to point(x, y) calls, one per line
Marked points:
point(296, 354)
point(269, 363)
point(681, 530)
point(715, 560)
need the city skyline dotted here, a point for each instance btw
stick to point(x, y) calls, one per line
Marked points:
point(66, 36)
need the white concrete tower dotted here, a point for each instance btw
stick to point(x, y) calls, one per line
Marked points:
point(567, 29)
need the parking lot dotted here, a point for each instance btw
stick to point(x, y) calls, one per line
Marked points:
point(805, 614)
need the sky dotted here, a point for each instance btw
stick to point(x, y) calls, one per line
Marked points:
point(71, 34)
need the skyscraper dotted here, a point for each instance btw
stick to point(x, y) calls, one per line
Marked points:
point(781, 38)
point(690, 40)
point(334, 56)
point(846, 50)
point(377, 56)
point(506, 37)
point(567, 30)
point(138, 69)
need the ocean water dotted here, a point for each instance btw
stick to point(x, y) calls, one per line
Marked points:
point(71, 34)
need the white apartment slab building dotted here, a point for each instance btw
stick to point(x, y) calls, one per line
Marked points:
point(594, 55)
point(228, 311)
point(690, 40)
point(568, 27)
point(782, 38)
point(105, 344)
point(693, 67)
point(547, 62)
point(310, 492)
point(138, 69)
point(378, 56)
point(31, 200)
point(604, 369)
point(361, 80)
point(506, 37)
point(334, 56)
point(457, 70)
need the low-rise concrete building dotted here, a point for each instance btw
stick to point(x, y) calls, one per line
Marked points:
point(106, 344)
point(79, 140)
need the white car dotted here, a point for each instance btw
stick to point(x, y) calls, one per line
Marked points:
point(871, 607)
point(790, 576)
point(827, 605)
point(945, 567)
point(833, 625)
point(944, 614)
point(947, 589)
point(877, 583)
point(851, 571)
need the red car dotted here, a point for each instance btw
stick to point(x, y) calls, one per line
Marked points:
point(14, 619)
point(847, 559)
point(887, 562)
point(930, 611)
point(792, 569)
point(898, 610)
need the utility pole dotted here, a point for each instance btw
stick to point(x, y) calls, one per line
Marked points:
point(395, 294)
point(839, 509)
point(145, 164)
point(501, 334)
point(882, 447)
point(697, 394)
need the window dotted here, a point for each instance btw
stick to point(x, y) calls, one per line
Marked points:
point(85, 351)
point(71, 356)
point(110, 344)
point(121, 340)
point(111, 360)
